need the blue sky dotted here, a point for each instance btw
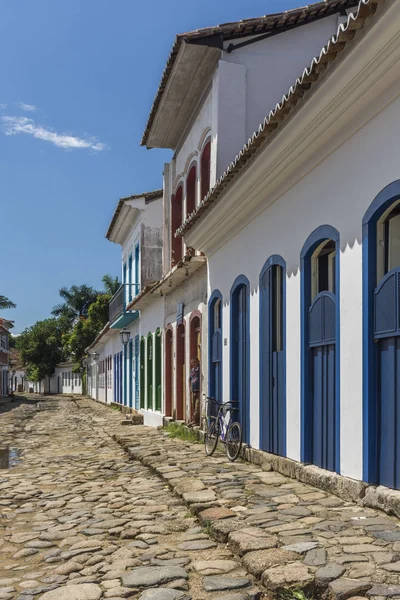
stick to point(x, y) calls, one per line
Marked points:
point(78, 80)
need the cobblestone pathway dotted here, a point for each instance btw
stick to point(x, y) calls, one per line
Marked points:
point(77, 510)
point(80, 521)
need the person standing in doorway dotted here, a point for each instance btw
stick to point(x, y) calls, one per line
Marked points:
point(194, 386)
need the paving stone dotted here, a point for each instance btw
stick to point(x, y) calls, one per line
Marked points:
point(315, 557)
point(359, 570)
point(199, 497)
point(342, 589)
point(302, 547)
point(387, 536)
point(215, 567)
point(163, 594)
point(260, 560)
point(292, 575)
point(215, 583)
point(84, 591)
point(197, 545)
point(385, 591)
point(150, 576)
point(212, 514)
point(251, 538)
point(329, 572)
point(189, 484)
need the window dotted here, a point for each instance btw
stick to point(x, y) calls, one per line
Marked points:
point(137, 278)
point(124, 282)
point(205, 170)
point(217, 314)
point(277, 301)
point(176, 222)
point(130, 286)
point(191, 191)
point(323, 268)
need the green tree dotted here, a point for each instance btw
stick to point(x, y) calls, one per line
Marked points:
point(6, 303)
point(111, 284)
point(41, 347)
point(77, 300)
point(84, 331)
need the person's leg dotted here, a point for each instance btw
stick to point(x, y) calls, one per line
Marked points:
point(196, 411)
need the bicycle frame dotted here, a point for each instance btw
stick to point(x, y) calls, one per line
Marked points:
point(223, 422)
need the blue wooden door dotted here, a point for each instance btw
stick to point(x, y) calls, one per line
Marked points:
point(216, 360)
point(239, 364)
point(273, 409)
point(137, 372)
point(130, 374)
point(322, 346)
point(387, 338)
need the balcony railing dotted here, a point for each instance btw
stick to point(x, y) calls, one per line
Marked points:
point(117, 306)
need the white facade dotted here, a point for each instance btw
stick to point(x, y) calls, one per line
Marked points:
point(117, 375)
point(325, 167)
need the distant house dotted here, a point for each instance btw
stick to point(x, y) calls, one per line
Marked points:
point(5, 326)
point(17, 375)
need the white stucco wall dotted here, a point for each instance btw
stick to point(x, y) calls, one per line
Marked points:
point(272, 66)
point(337, 192)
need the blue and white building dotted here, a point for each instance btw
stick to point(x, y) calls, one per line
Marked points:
point(302, 236)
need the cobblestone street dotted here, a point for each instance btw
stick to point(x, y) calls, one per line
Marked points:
point(97, 510)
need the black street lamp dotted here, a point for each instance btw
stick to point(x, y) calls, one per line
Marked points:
point(125, 336)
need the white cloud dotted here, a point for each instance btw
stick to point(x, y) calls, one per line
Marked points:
point(27, 107)
point(3, 106)
point(15, 125)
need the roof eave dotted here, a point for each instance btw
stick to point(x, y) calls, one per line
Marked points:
point(193, 68)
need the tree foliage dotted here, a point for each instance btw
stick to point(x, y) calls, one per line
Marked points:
point(84, 331)
point(111, 284)
point(77, 300)
point(6, 303)
point(41, 347)
point(74, 326)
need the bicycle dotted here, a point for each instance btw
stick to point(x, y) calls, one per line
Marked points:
point(222, 426)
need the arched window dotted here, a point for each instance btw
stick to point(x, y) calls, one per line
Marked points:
point(176, 222)
point(205, 169)
point(191, 191)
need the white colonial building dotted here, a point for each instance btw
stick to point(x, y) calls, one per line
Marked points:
point(131, 374)
point(302, 237)
point(231, 74)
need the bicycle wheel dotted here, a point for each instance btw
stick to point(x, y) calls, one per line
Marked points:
point(233, 441)
point(211, 436)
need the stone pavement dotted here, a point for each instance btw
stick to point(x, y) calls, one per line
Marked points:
point(81, 520)
point(287, 534)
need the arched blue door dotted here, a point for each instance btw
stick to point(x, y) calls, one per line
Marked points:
point(322, 347)
point(215, 347)
point(240, 349)
point(320, 355)
point(387, 338)
point(272, 357)
point(381, 338)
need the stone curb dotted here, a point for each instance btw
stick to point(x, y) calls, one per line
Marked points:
point(218, 528)
point(346, 488)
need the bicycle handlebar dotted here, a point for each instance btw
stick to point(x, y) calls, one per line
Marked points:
point(209, 399)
